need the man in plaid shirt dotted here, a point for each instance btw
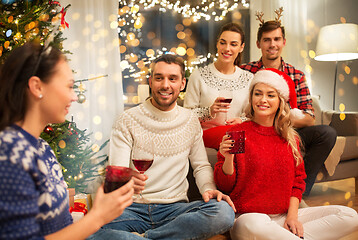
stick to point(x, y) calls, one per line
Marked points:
point(318, 140)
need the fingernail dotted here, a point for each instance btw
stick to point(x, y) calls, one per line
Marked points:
point(232, 145)
point(302, 237)
point(232, 141)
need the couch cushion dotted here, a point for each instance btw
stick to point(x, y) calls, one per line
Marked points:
point(346, 127)
point(317, 110)
point(350, 149)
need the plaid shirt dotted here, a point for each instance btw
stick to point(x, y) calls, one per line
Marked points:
point(304, 100)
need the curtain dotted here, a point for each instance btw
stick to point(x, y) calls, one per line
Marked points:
point(295, 21)
point(92, 37)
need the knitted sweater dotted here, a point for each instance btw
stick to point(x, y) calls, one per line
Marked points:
point(177, 137)
point(33, 196)
point(265, 176)
point(204, 87)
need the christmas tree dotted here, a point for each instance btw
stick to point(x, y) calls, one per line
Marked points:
point(24, 20)
point(79, 162)
point(43, 21)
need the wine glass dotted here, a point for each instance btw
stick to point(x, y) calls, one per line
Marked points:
point(227, 95)
point(239, 137)
point(116, 177)
point(142, 157)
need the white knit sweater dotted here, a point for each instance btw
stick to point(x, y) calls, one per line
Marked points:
point(177, 137)
point(204, 87)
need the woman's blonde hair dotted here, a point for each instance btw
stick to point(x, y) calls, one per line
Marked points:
point(282, 125)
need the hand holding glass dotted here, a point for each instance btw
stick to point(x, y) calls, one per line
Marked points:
point(142, 159)
point(239, 138)
point(227, 95)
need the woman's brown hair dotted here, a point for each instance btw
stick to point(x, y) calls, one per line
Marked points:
point(233, 27)
point(29, 60)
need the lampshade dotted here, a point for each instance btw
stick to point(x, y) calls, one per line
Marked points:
point(337, 42)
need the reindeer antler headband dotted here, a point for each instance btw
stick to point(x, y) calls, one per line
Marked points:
point(259, 16)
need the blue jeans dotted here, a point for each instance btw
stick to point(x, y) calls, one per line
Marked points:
point(194, 220)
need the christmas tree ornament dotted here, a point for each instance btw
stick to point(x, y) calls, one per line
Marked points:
point(81, 98)
point(48, 130)
point(54, 2)
point(62, 144)
point(82, 87)
point(6, 44)
point(44, 17)
point(45, 32)
point(35, 31)
point(28, 35)
point(64, 24)
point(8, 33)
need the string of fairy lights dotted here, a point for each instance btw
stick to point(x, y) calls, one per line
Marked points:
point(197, 9)
point(134, 64)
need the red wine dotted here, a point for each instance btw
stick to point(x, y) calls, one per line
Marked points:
point(239, 144)
point(142, 164)
point(111, 186)
point(116, 177)
point(226, 100)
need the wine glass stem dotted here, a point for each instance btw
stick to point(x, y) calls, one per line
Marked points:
point(140, 194)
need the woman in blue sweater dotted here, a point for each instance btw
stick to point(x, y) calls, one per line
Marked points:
point(36, 88)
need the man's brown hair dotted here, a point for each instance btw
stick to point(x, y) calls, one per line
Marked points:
point(169, 58)
point(268, 27)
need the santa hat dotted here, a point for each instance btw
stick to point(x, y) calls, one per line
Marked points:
point(283, 84)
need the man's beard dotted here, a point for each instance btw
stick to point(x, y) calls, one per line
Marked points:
point(162, 103)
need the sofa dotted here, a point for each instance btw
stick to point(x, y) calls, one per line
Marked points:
point(341, 163)
point(343, 160)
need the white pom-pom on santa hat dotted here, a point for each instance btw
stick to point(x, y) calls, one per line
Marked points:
point(284, 86)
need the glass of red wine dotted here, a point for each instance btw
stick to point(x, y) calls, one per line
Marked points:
point(142, 158)
point(116, 177)
point(227, 98)
point(239, 138)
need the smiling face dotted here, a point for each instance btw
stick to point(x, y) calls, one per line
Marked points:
point(271, 44)
point(265, 103)
point(229, 46)
point(166, 83)
point(58, 94)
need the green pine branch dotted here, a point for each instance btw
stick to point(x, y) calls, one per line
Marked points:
point(24, 21)
point(80, 163)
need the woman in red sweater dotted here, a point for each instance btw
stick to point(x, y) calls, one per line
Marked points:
point(266, 182)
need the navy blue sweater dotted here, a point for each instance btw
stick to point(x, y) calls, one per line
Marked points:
point(33, 195)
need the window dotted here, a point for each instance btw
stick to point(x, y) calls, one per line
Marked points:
point(145, 34)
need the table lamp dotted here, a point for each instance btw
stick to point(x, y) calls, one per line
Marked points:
point(337, 42)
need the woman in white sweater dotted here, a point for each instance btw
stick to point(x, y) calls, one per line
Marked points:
point(206, 85)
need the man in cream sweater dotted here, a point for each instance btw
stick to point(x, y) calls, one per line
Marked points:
point(175, 133)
